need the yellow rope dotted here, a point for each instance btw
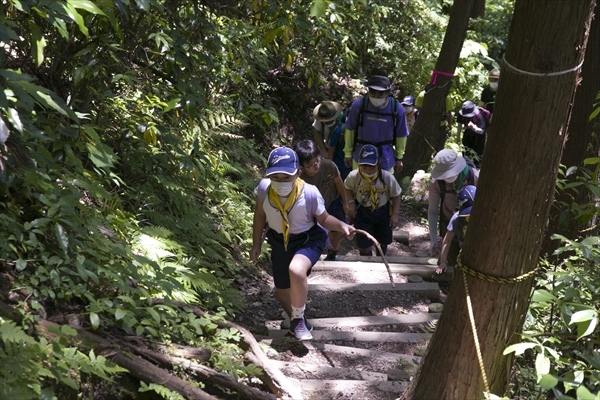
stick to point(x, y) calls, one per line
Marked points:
point(490, 278)
point(466, 270)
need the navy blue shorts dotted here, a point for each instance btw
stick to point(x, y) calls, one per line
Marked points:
point(336, 209)
point(377, 223)
point(310, 244)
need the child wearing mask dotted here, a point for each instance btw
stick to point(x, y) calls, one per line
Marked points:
point(457, 227)
point(374, 202)
point(292, 209)
point(450, 173)
point(325, 175)
point(409, 109)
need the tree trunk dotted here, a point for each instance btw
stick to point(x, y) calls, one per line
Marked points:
point(581, 141)
point(513, 201)
point(424, 134)
point(478, 10)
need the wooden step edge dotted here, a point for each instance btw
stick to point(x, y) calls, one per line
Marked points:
point(355, 351)
point(427, 289)
point(374, 320)
point(361, 336)
point(295, 369)
point(390, 259)
point(347, 386)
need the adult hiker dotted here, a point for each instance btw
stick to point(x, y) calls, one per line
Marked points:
point(377, 119)
point(450, 173)
point(488, 95)
point(328, 131)
point(476, 121)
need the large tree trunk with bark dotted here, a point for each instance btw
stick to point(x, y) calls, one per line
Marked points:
point(513, 200)
point(423, 136)
point(581, 143)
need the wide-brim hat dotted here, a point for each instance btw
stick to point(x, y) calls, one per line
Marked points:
point(447, 164)
point(380, 83)
point(468, 109)
point(327, 111)
point(283, 160)
point(368, 155)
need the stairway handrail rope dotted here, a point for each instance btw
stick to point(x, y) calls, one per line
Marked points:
point(490, 278)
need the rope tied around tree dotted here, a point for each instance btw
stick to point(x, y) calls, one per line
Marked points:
point(490, 278)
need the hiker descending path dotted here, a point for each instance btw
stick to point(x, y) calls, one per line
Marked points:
point(368, 337)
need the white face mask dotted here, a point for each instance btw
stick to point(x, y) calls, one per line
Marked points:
point(408, 109)
point(378, 102)
point(451, 179)
point(494, 85)
point(283, 188)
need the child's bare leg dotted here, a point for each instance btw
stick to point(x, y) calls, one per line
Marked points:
point(283, 296)
point(335, 238)
point(298, 283)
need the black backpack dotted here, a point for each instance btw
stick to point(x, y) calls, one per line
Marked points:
point(361, 115)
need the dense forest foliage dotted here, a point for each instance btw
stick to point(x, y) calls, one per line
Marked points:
point(132, 134)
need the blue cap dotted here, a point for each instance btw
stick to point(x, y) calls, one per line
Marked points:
point(380, 83)
point(408, 100)
point(466, 195)
point(368, 155)
point(283, 160)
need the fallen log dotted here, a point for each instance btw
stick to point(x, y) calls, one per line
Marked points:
point(281, 385)
point(137, 366)
point(204, 372)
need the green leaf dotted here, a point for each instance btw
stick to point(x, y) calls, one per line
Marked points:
point(61, 236)
point(584, 394)
point(548, 381)
point(102, 156)
point(120, 313)
point(542, 296)
point(38, 44)
point(519, 348)
point(542, 365)
point(318, 8)
point(85, 5)
point(67, 330)
point(15, 119)
point(586, 328)
point(143, 4)
point(584, 315)
point(94, 320)
point(77, 18)
point(21, 264)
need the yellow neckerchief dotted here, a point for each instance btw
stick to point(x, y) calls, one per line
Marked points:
point(372, 189)
point(283, 209)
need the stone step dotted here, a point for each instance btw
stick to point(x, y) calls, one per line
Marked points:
point(428, 289)
point(334, 387)
point(356, 336)
point(375, 320)
point(307, 371)
point(355, 351)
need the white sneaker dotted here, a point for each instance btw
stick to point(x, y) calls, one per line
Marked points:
point(300, 328)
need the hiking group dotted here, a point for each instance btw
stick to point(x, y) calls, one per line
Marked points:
point(323, 190)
